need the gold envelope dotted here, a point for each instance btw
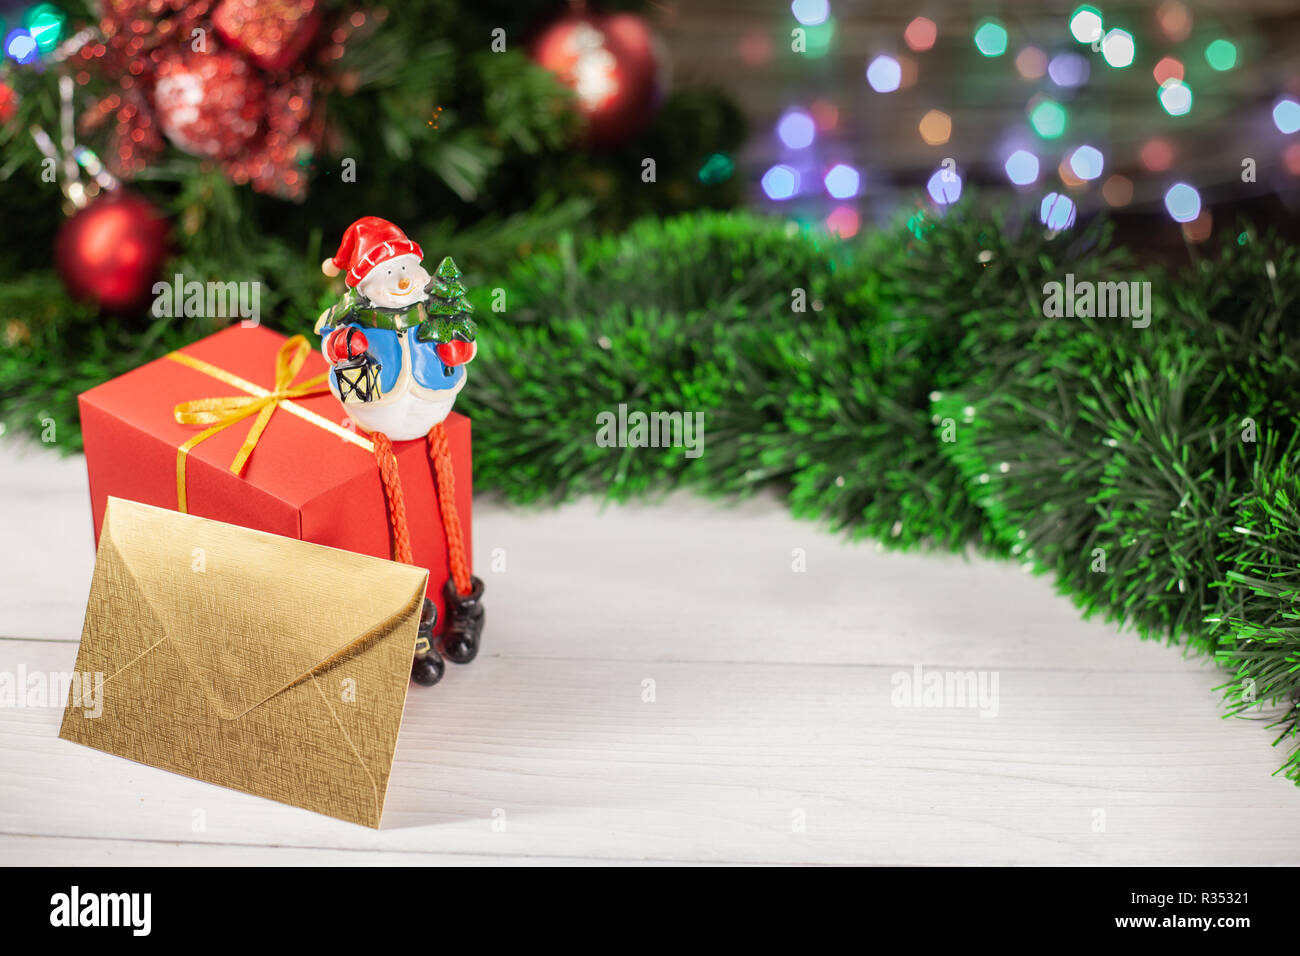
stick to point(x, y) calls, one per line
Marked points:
point(246, 659)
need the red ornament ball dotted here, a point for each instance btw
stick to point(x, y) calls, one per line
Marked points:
point(8, 103)
point(111, 251)
point(610, 63)
point(209, 104)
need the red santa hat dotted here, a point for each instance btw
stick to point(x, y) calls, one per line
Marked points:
point(366, 243)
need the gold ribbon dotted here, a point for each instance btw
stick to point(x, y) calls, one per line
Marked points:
point(226, 410)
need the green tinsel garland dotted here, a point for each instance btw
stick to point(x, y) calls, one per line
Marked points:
point(923, 399)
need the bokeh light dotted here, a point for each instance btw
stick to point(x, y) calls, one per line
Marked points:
point(1118, 190)
point(20, 46)
point(844, 222)
point(842, 181)
point(1085, 24)
point(884, 74)
point(1183, 202)
point(1048, 119)
point(1068, 70)
point(920, 34)
point(1022, 167)
point(1118, 49)
point(1221, 55)
point(991, 38)
point(1168, 69)
point(1291, 157)
point(796, 129)
point(1157, 155)
point(1031, 63)
point(1068, 175)
point(1175, 20)
point(935, 127)
point(1176, 97)
point(780, 182)
point(1286, 116)
point(755, 48)
point(825, 114)
point(1057, 211)
point(910, 71)
point(818, 37)
point(944, 186)
point(1200, 228)
point(810, 12)
point(45, 23)
point(716, 169)
point(1086, 162)
point(920, 225)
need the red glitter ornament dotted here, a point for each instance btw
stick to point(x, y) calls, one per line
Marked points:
point(246, 99)
point(111, 251)
point(610, 62)
point(209, 104)
point(271, 33)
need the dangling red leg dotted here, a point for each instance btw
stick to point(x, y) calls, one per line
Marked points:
point(427, 667)
point(464, 592)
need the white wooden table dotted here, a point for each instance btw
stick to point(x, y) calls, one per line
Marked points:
point(770, 735)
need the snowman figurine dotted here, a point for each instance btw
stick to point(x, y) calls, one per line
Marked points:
point(398, 343)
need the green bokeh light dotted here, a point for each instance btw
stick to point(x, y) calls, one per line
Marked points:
point(818, 38)
point(991, 38)
point(1221, 55)
point(716, 169)
point(1086, 24)
point(1048, 119)
point(45, 23)
point(1176, 97)
point(1118, 48)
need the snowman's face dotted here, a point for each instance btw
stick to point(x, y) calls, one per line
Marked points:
point(395, 284)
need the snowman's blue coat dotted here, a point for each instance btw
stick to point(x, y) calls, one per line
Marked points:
point(426, 367)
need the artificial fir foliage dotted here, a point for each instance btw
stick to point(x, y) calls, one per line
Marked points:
point(479, 151)
point(1260, 635)
point(924, 398)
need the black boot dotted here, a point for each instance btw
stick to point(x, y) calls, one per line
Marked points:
point(464, 630)
point(427, 668)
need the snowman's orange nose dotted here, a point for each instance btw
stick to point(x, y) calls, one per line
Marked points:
point(403, 284)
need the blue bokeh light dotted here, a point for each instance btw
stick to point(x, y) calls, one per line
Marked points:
point(1183, 202)
point(842, 181)
point(1068, 70)
point(1286, 116)
point(21, 46)
point(1057, 211)
point(780, 182)
point(944, 186)
point(796, 129)
point(1022, 167)
point(810, 12)
point(884, 74)
point(1086, 162)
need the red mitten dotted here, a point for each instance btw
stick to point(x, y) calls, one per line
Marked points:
point(456, 352)
point(339, 347)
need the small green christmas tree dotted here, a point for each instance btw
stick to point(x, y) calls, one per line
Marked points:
point(450, 311)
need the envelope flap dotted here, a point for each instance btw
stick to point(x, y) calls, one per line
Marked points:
point(250, 613)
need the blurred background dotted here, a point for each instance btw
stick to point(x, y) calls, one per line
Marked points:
point(1110, 105)
point(234, 140)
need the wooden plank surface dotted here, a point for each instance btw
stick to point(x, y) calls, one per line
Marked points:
point(772, 734)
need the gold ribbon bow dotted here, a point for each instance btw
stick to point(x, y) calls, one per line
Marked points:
point(226, 410)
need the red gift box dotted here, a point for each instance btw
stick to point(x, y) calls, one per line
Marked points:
point(311, 476)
